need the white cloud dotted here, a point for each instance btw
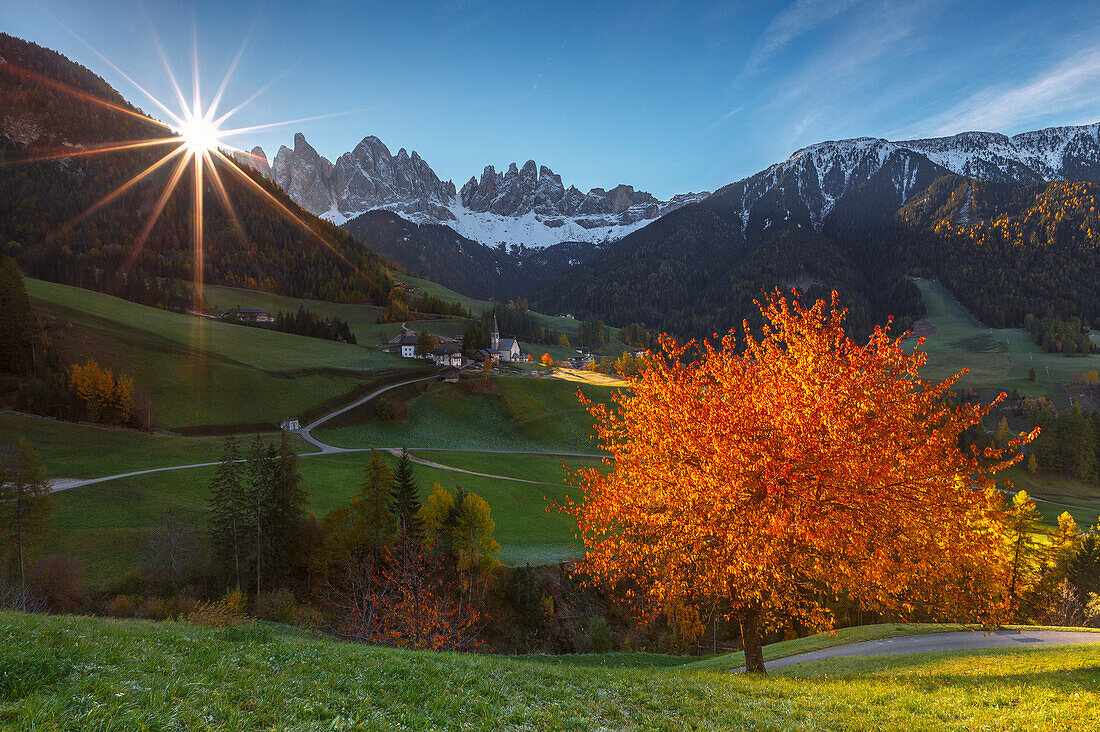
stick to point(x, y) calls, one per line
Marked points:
point(720, 120)
point(1072, 85)
point(791, 22)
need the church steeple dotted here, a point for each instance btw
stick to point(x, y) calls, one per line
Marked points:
point(495, 336)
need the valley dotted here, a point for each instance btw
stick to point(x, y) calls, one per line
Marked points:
point(336, 441)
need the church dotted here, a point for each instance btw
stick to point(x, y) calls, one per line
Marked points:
point(500, 349)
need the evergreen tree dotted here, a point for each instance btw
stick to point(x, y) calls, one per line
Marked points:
point(406, 500)
point(230, 518)
point(259, 488)
point(25, 505)
point(15, 320)
point(375, 501)
point(288, 502)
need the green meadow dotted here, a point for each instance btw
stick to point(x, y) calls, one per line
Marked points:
point(106, 524)
point(997, 359)
point(511, 413)
point(93, 673)
point(204, 375)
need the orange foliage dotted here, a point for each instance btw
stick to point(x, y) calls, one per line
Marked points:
point(803, 467)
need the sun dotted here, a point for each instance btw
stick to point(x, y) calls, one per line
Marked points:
point(200, 135)
point(195, 140)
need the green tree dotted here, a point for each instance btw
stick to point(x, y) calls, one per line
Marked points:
point(425, 343)
point(406, 500)
point(376, 497)
point(26, 505)
point(259, 484)
point(229, 510)
point(288, 503)
point(15, 320)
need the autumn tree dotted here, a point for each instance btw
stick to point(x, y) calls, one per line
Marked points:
point(458, 525)
point(547, 360)
point(25, 505)
point(1025, 553)
point(800, 466)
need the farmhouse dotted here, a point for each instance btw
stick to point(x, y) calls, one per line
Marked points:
point(254, 315)
point(447, 354)
point(404, 345)
point(449, 374)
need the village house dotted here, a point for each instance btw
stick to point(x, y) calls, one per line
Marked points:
point(447, 354)
point(252, 315)
point(449, 374)
point(404, 344)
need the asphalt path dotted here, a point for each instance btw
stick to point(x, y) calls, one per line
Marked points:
point(931, 642)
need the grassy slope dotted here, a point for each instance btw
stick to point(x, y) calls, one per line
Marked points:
point(105, 524)
point(527, 414)
point(85, 451)
point(93, 673)
point(201, 372)
point(997, 360)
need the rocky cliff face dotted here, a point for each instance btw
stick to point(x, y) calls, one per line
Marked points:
point(523, 206)
point(305, 176)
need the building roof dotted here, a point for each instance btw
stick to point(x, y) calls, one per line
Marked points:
point(506, 343)
point(251, 311)
point(447, 349)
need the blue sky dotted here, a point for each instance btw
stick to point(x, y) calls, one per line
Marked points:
point(666, 96)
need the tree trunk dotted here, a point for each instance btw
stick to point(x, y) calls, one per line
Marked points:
point(753, 642)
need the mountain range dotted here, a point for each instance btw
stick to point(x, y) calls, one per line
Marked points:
point(526, 205)
point(1009, 224)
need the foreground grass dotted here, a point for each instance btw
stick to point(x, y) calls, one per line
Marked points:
point(81, 673)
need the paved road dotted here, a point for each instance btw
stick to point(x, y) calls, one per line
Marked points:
point(955, 641)
point(323, 448)
point(306, 432)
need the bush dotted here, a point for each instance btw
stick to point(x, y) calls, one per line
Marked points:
point(155, 608)
point(599, 635)
point(277, 607)
point(58, 579)
point(121, 606)
point(228, 611)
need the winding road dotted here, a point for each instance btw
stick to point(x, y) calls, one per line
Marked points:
point(931, 642)
point(323, 448)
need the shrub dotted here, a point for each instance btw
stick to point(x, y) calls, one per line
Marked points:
point(155, 608)
point(278, 606)
point(599, 635)
point(58, 579)
point(236, 601)
point(230, 610)
point(121, 606)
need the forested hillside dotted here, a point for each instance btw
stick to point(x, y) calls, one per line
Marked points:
point(1004, 249)
point(42, 202)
